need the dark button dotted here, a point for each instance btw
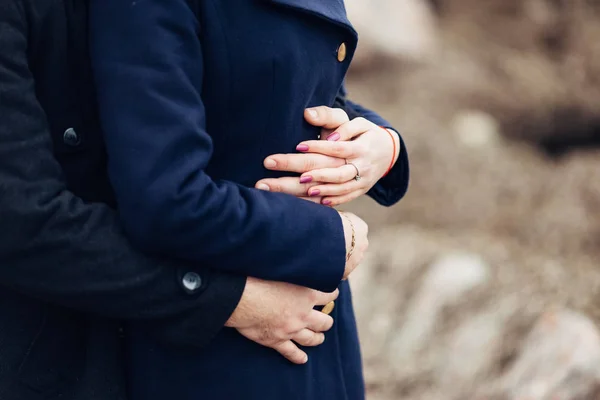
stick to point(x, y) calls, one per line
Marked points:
point(191, 281)
point(71, 138)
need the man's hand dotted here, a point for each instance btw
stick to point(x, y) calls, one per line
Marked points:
point(274, 314)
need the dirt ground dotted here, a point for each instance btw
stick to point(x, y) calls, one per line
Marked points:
point(501, 127)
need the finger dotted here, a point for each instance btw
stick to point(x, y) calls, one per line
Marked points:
point(339, 200)
point(325, 133)
point(306, 337)
point(300, 163)
point(290, 351)
point(317, 200)
point(326, 117)
point(319, 322)
point(288, 184)
point(335, 189)
point(350, 130)
point(333, 149)
point(322, 298)
point(331, 175)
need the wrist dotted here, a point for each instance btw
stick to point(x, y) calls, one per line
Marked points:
point(397, 148)
point(349, 234)
point(236, 319)
point(396, 143)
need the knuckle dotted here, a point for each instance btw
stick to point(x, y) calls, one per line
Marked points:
point(275, 186)
point(309, 164)
point(335, 294)
point(327, 324)
point(337, 149)
point(313, 296)
point(317, 339)
point(344, 114)
point(288, 328)
point(289, 352)
point(264, 336)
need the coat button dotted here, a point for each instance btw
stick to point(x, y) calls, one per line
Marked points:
point(191, 281)
point(71, 138)
point(341, 53)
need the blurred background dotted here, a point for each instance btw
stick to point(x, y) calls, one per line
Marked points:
point(483, 283)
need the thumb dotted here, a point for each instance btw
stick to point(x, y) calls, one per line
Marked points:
point(326, 117)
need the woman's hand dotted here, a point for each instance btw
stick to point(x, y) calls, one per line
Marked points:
point(367, 151)
point(326, 176)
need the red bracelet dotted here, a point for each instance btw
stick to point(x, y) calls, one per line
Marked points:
point(393, 154)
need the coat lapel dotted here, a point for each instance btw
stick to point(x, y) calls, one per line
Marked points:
point(332, 10)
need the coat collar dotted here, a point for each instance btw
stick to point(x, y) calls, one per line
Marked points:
point(332, 10)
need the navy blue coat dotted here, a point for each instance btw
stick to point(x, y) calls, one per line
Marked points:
point(193, 95)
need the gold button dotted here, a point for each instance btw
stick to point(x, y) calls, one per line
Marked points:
point(341, 53)
point(328, 308)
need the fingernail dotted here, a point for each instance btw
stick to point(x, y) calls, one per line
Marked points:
point(334, 137)
point(262, 186)
point(306, 179)
point(326, 202)
point(314, 193)
point(302, 147)
point(305, 359)
point(313, 113)
point(270, 163)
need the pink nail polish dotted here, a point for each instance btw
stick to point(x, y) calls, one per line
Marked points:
point(334, 137)
point(327, 202)
point(302, 147)
point(315, 192)
point(306, 179)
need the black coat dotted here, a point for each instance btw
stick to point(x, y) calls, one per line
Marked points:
point(67, 272)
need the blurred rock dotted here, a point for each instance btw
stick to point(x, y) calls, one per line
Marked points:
point(471, 350)
point(437, 323)
point(523, 70)
point(476, 129)
point(448, 279)
point(393, 29)
point(559, 360)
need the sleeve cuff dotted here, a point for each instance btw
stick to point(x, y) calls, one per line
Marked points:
point(322, 263)
point(200, 324)
point(391, 188)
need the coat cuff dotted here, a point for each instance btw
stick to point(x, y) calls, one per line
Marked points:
point(205, 319)
point(391, 188)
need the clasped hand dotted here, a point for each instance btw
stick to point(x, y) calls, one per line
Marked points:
point(280, 315)
point(328, 167)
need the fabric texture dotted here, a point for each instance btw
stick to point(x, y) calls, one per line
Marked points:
point(68, 273)
point(193, 95)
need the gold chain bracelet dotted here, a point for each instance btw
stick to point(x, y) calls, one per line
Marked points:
point(353, 241)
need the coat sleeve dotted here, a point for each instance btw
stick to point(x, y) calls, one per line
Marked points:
point(391, 188)
point(148, 65)
point(58, 249)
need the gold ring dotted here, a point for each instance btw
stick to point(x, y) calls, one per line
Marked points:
point(328, 308)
